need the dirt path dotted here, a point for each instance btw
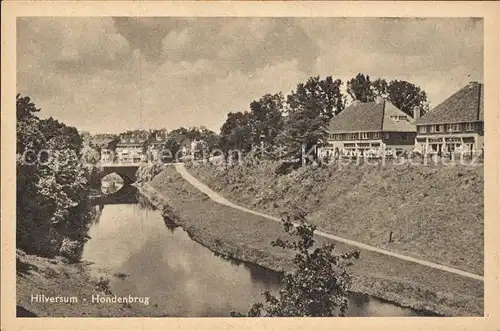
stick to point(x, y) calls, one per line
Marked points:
point(223, 201)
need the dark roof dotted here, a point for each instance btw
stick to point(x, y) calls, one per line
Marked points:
point(466, 105)
point(370, 116)
point(131, 142)
point(103, 141)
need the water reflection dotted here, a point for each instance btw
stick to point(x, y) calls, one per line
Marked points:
point(181, 277)
point(128, 194)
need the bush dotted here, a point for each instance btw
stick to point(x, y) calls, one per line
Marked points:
point(319, 283)
point(147, 171)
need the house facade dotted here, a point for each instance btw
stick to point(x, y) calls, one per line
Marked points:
point(107, 148)
point(454, 126)
point(370, 129)
point(131, 150)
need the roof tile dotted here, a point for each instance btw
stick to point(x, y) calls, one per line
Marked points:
point(466, 105)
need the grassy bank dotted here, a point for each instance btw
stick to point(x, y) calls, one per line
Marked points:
point(247, 237)
point(434, 212)
point(54, 277)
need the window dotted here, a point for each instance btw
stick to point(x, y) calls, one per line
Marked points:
point(453, 127)
point(364, 135)
point(376, 135)
point(386, 135)
point(469, 126)
point(403, 118)
point(439, 128)
point(422, 129)
point(432, 129)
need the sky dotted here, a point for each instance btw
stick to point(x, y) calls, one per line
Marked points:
point(111, 74)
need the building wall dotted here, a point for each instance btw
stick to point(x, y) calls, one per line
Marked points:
point(386, 140)
point(129, 153)
point(461, 138)
point(455, 128)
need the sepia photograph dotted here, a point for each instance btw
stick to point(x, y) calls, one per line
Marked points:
point(176, 166)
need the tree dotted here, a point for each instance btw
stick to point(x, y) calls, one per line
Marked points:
point(406, 96)
point(319, 283)
point(25, 107)
point(360, 88)
point(236, 132)
point(170, 150)
point(266, 118)
point(309, 110)
point(53, 205)
point(379, 88)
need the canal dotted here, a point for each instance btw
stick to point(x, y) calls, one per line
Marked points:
point(152, 257)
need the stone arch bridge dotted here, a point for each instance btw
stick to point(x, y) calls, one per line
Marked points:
point(127, 171)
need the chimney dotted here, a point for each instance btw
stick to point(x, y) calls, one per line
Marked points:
point(379, 99)
point(416, 112)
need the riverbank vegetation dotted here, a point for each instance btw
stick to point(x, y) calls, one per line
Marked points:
point(53, 206)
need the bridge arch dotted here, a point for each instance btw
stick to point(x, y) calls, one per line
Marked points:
point(126, 171)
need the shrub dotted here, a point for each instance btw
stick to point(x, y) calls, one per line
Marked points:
point(319, 283)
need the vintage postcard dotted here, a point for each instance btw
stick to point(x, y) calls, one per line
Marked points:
point(250, 165)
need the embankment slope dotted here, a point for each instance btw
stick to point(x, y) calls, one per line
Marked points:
point(435, 212)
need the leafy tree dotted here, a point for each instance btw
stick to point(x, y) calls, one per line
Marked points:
point(266, 118)
point(379, 88)
point(360, 88)
point(309, 109)
point(25, 107)
point(319, 283)
point(236, 132)
point(53, 204)
point(406, 96)
point(171, 146)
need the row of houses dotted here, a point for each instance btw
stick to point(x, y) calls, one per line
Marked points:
point(455, 125)
point(134, 149)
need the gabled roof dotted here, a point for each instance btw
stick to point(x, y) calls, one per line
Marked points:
point(370, 116)
point(466, 105)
